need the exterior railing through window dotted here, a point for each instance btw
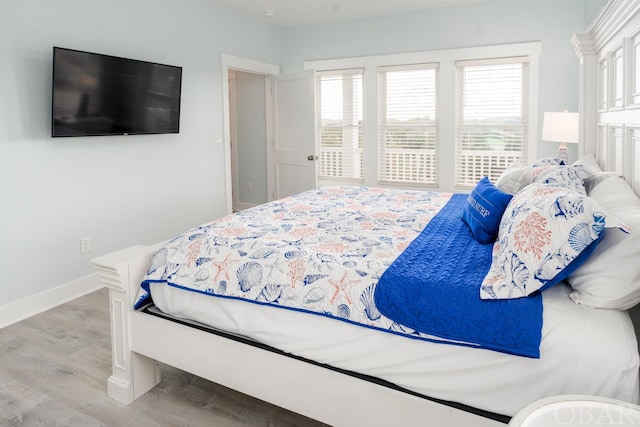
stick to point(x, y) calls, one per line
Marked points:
point(476, 164)
point(418, 166)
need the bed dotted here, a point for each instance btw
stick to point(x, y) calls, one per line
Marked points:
point(241, 331)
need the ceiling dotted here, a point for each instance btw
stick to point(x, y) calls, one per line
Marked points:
point(287, 13)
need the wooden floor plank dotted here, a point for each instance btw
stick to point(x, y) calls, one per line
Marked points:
point(54, 368)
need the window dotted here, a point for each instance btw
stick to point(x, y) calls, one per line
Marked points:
point(340, 123)
point(437, 120)
point(491, 118)
point(407, 141)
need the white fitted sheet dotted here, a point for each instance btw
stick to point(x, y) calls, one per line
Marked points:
point(583, 351)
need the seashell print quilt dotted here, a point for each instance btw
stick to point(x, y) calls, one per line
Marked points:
point(320, 252)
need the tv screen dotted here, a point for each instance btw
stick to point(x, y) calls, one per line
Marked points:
point(96, 94)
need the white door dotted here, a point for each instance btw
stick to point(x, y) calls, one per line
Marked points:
point(294, 144)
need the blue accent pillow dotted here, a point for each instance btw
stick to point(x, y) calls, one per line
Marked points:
point(484, 210)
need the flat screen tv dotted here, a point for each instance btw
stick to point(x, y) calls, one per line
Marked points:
point(96, 94)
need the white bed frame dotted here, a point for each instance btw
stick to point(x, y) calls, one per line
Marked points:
point(139, 340)
point(610, 129)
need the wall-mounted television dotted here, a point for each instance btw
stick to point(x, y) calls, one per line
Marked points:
point(96, 94)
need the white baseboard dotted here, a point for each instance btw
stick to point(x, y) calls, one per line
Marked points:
point(35, 304)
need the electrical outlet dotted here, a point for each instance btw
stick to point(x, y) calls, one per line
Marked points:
point(85, 245)
point(249, 187)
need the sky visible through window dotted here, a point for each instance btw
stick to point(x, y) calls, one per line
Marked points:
point(494, 88)
point(332, 97)
point(410, 95)
point(492, 91)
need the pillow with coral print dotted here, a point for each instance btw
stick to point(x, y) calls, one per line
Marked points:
point(546, 232)
point(548, 161)
point(516, 177)
point(571, 177)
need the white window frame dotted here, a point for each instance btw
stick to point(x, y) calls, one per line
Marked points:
point(446, 107)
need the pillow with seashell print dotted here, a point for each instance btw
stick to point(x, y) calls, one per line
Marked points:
point(547, 231)
point(517, 176)
point(582, 175)
point(571, 177)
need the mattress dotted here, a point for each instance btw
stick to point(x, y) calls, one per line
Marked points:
point(583, 351)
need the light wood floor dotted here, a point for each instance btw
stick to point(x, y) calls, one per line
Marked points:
point(54, 368)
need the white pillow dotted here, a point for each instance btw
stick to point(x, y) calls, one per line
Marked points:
point(514, 178)
point(589, 161)
point(610, 278)
point(546, 232)
point(598, 174)
point(591, 182)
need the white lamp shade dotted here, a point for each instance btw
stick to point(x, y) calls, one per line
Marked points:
point(561, 127)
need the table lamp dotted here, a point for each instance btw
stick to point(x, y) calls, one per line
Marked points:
point(561, 127)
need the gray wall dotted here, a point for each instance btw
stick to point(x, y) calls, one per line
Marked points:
point(118, 190)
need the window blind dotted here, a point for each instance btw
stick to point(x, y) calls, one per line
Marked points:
point(491, 118)
point(408, 136)
point(340, 123)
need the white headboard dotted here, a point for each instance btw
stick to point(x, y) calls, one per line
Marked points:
point(609, 104)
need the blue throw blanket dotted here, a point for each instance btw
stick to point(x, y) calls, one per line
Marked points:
point(433, 287)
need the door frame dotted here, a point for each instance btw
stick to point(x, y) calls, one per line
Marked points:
point(254, 67)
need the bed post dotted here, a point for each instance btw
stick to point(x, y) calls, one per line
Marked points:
point(121, 272)
point(588, 96)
